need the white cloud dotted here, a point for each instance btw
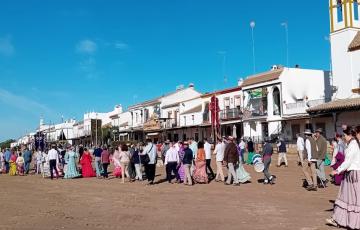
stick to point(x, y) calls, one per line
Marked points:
point(23, 103)
point(121, 45)
point(6, 46)
point(86, 47)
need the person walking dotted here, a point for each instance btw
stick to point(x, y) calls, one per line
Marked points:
point(251, 151)
point(86, 164)
point(219, 152)
point(98, 165)
point(135, 158)
point(171, 162)
point(105, 161)
point(282, 152)
point(70, 161)
point(300, 144)
point(150, 167)
point(2, 161)
point(321, 146)
point(38, 159)
point(124, 162)
point(53, 156)
point(266, 156)
point(309, 163)
point(242, 146)
point(200, 176)
point(207, 148)
point(27, 158)
point(231, 158)
point(20, 164)
point(7, 156)
point(187, 162)
point(347, 204)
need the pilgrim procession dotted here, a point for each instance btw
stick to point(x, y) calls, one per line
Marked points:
point(278, 149)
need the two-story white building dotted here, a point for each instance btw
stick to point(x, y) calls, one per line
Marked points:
point(157, 118)
point(275, 102)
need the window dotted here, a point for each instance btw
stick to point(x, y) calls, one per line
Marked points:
point(339, 11)
point(237, 102)
point(227, 103)
point(276, 101)
point(356, 9)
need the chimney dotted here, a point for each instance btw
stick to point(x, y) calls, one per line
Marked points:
point(240, 81)
point(191, 85)
point(297, 66)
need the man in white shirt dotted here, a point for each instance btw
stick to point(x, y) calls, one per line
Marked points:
point(242, 147)
point(150, 150)
point(207, 148)
point(171, 162)
point(219, 152)
point(310, 163)
point(300, 148)
point(53, 156)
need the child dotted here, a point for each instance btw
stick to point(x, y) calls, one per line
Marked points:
point(20, 164)
point(266, 155)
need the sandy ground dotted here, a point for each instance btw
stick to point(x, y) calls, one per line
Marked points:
point(31, 202)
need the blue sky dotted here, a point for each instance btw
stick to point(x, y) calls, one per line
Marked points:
point(70, 56)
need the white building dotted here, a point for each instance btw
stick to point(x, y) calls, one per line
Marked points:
point(150, 118)
point(275, 102)
point(345, 55)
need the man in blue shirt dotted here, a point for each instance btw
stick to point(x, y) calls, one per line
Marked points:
point(7, 156)
point(27, 158)
point(97, 155)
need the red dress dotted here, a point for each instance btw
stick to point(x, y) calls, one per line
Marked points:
point(86, 167)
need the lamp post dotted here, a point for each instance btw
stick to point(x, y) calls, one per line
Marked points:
point(252, 25)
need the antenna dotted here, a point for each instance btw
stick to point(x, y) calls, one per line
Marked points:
point(285, 25)
point(252, 25)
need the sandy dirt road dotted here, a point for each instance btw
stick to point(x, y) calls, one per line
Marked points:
point(31, 202)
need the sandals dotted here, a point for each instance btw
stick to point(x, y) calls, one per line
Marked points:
point(331, 222)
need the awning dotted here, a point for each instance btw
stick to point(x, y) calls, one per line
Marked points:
point(152, 134)
point(123, 134)
point(196, 109)
point(340, 105)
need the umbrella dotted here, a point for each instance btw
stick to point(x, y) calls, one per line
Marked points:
point(234, 132)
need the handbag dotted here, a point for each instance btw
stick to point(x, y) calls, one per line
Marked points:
point(145, 159)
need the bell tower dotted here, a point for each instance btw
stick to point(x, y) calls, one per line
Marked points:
point(344, 26)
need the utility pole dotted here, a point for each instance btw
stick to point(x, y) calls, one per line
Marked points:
point(252, 25)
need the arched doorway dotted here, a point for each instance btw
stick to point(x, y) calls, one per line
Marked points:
point(276, 101)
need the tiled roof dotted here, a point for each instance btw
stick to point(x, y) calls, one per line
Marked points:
point(262, 77)
point(355, 44)
point(337, 105)
point(196, 109)
point(223, 91)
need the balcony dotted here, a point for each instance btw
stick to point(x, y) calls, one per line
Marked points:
point(230, 114)
point(169, 123)
point(302, 106)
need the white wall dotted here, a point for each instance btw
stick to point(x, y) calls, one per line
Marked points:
point(303, 83)
point(346, 68)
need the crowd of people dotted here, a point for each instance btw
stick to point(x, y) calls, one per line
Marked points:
point(189, 162)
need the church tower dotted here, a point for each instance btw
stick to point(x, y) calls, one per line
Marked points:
point(344, 27)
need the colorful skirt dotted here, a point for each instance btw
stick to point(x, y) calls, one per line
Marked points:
point(347, 204)
point(20, 169)
point(117, 171)
point(181, 172)
point(200, 176)
point(250, 158)
point(12, 171)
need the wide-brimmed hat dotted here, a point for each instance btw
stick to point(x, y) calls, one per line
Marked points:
point(308, 132)
point(185, 143)
point(230, 138)
point(167, 142)
point(319, 130)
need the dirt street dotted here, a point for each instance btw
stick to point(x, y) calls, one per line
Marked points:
point(31, 202)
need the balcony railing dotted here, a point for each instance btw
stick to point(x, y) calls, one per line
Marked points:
point(230, 114)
